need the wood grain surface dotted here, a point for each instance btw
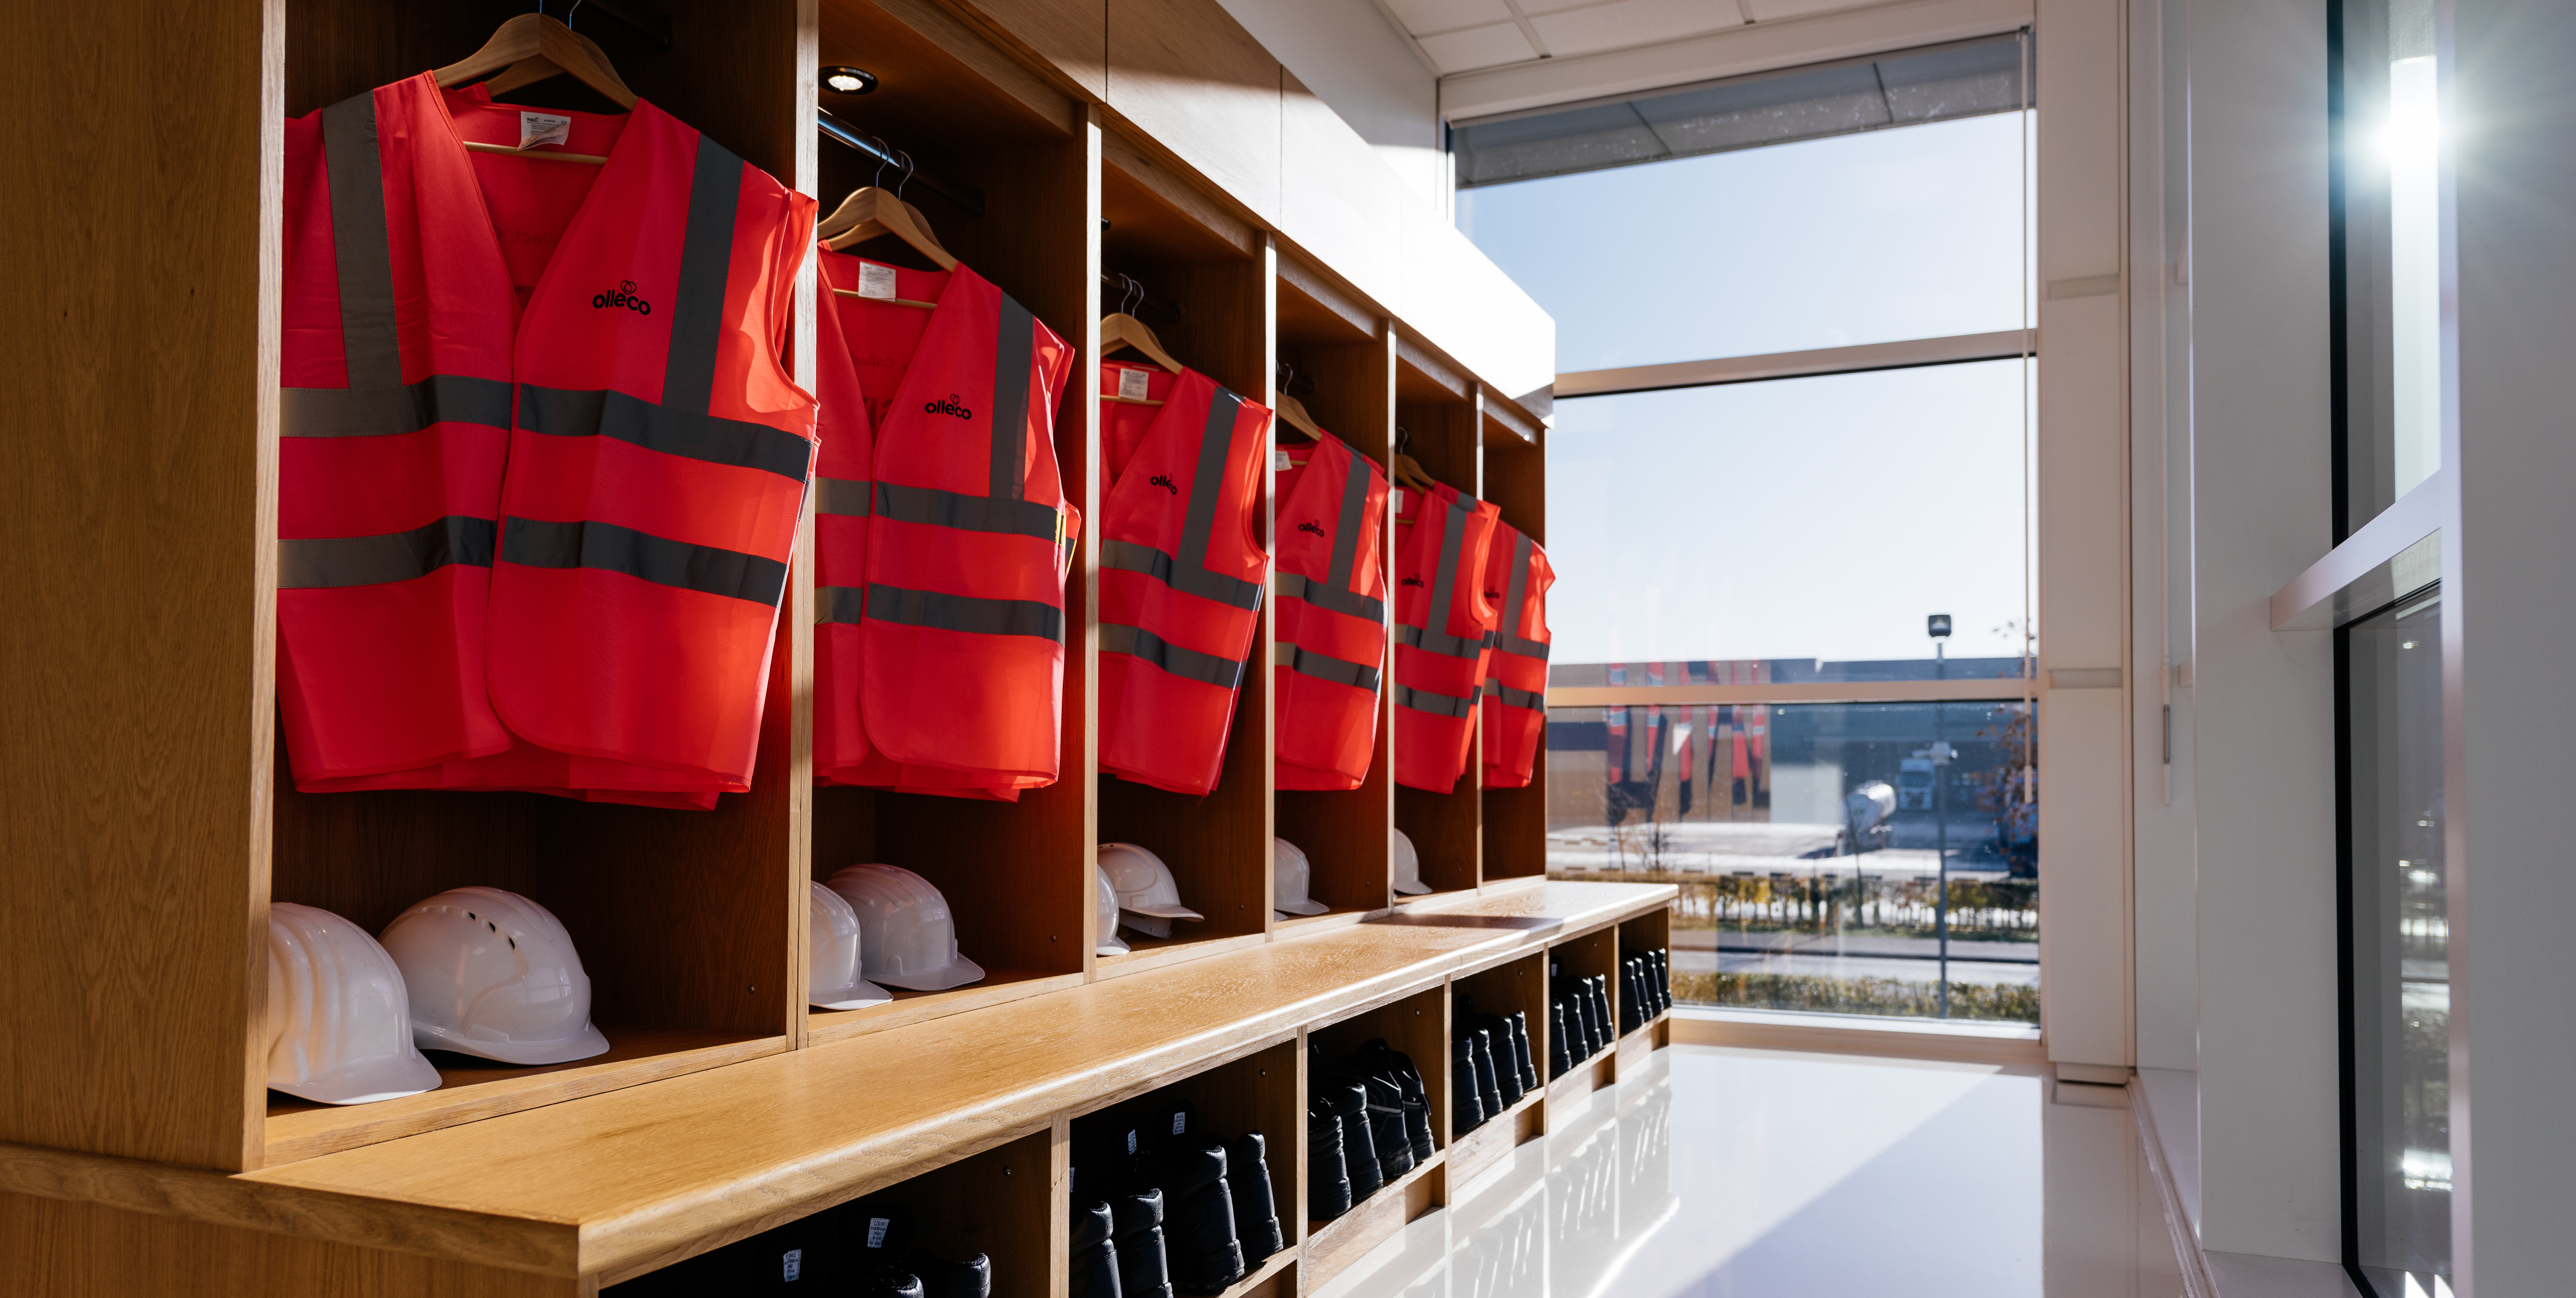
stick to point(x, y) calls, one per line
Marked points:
point(1194, 82)
point(87, 1250)
point(1068, 37)
point(1331, 1247)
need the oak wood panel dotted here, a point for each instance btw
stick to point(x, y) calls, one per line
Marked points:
point(1069, 37)
point(1471, 1154)
point(1515, 820)
point(1218, 846)
point(943, 87)
point(472, 1089)
point(141, 376)
point(1145, 953)
point(1000, 1203)
point(81, 1250)
point(1507, 424)
point(31, 1175)
point(1345, 833)
point(1317, 309)
point(1158, 216)
point(999, 986)
point(1424, 375)
point(1337, 199)
point(1198, 85)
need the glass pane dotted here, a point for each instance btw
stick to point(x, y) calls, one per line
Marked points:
point(2400, 938)
point(2390, 137)
point(1913, 232)
point(1815, 845)
point(1813, 524)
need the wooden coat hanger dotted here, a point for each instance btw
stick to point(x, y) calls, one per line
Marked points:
point(870, 212)
point(1408, 471)
point(531, 48)
point(1290, 410)
point(1119, 329)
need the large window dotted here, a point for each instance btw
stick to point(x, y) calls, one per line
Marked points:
point(1790, 513)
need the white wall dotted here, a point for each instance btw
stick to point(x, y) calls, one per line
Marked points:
point(1358, 63)
point(2509, 617)
point(2262, 735)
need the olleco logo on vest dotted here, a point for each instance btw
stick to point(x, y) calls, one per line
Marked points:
point(947, 407)
point(623, 295)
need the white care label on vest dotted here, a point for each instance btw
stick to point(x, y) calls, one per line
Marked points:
point(1131, 385)
point(876, 281)
point(543, 128)
point(877, 1231)
point(1397, 495)
point(1280, 463)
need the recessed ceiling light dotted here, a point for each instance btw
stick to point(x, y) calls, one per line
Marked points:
point(848, 80)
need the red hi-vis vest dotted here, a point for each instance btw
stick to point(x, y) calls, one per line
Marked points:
point(1331, 648)
point(541, 459)
point(1515, 704)
point(1182, 572)
point(940, 535)
point(1441, 617)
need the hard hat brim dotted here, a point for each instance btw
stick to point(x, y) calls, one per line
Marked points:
point(1310, 906)
point(1111, 945)
point(857, 996)
point(580, 1045)
point(1413, 890)
point(958, 972)
point(388, 1077)
point(1174, 911)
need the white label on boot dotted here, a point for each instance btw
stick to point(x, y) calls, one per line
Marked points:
point(791, 1264)
point(1131, 1142)
point(1179, 1122)
point(876, 1232)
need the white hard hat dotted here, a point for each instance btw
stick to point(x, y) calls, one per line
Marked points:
point(1408, 867)
point(1105, 919)
point(906, 937)
point(1291, 879)
point(1143, 883)
point(339, 1022)
point(832, 955)
point(493, 974)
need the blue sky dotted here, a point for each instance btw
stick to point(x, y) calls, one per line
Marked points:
point(1805, 518)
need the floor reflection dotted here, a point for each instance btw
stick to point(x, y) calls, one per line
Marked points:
point(1723, 1172)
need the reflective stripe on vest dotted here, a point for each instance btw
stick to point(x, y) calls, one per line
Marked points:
point(1334, 670)
point(940, 538)
point(1177, 624)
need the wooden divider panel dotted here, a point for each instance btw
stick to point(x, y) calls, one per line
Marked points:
point(1515, 820)
point(1000, 1203)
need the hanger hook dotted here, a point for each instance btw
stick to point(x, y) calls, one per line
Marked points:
point(568, 13)
point(907, 174)
point(1133, 294)
point(876, 179)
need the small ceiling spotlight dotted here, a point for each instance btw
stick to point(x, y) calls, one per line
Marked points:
point(848, 80)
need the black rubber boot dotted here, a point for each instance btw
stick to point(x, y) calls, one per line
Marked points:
point(1198, 1215)
point(1386, 1122)
point(1349, 1098)
point(1521, 1063)
point(942, 1278)
point(1466, 1106)
point(1094, 1257)
point(1632, 996)
point(1328, 1177)
point(1488, 1089)
point(1256, 1211)
point(1601, 1010)
point(1560, 1057)
point(1507, 1068)
point(1664, 978)
point(1395, 1064)
point(1143, 1270)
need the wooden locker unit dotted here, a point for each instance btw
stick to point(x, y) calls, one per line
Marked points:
point(142, 1152)
point(1029, 152)
point(1583, 956)
point(1343, 360)
point(1208, 294)
point(1648, 932)
point(1438, 410)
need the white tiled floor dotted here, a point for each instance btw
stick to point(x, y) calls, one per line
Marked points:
point(1723, 1172)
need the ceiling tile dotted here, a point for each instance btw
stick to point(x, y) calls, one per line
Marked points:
point(1626, 23)
point(1430, 17)
point(1478, 47)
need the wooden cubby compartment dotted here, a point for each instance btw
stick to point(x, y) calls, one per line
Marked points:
point(1514, 833)
point(1652, 931)
point(1583, 956)
point(1341, 363)
point(1029, 156)
point(1208, 296)
point(1438, 414)
point(1519, 984)
point(1000, 1203)
point(1418, 1025)
point(1258, 1091)
point(680, 917)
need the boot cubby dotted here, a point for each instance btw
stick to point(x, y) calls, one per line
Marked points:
point(1161, 1141)
point(1514, 987)
point(1416, 1026)
point(1647, 1018)
point(1590, 1057)
point(979, 1227)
